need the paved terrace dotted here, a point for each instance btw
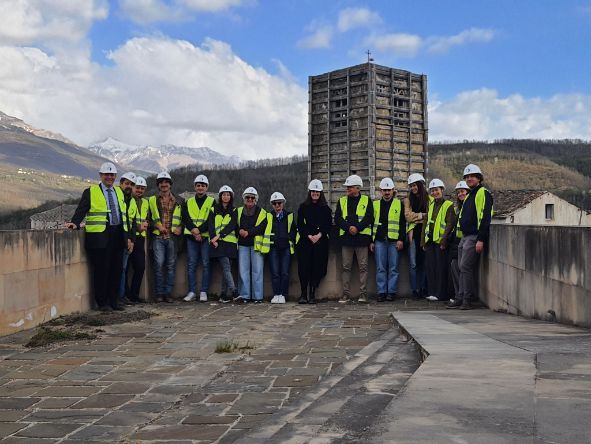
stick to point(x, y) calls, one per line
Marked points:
point(325, 373)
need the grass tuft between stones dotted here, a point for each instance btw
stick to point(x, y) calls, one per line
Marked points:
point(94, 319)
point(46, 336)
point(230, 346)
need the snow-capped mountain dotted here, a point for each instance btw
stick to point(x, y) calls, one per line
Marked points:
point(7, 121)
point(154, 159)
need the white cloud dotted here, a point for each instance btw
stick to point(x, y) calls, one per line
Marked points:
point(399, 44)
point(320, 38)
point(158, 91)
point(350, 18)
point(27, 22)
point(443, 44)
point(210, 5)
point(483, 115)
point(150, 11)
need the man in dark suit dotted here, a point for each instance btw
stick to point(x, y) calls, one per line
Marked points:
point(103, 205)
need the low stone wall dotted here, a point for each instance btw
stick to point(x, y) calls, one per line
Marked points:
point(531, 270)
point(45, 274)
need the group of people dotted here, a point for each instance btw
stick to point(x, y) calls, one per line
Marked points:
point(443, 239)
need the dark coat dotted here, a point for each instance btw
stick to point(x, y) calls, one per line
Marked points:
point(224, 249)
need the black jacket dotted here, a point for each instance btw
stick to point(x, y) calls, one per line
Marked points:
point(469, 221)
point(96, 240)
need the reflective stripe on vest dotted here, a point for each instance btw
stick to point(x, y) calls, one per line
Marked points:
point(360, 211)
point(176, 215)
point(393, 219)
point(262, 243)
point(480, 202)
point(459, 233)
point(289, 224)
point(199, 215)
point(439, 223)
point(221, 222)
point(142, 215)
point(97, 217)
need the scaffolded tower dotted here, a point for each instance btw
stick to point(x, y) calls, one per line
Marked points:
point(369, 120)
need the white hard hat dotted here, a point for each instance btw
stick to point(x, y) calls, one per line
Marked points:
point(250, 190)
point(386, 184)
point(353, 180)
point(129, 176)
point(201, 179)
point(140, 181)
point(436, 183)
point(315, 185)
point(226, 189)
point(462, 185)
point(163, 175)
point(277, 196)
point(108, 168)
point(472, 169)
point(416, 177)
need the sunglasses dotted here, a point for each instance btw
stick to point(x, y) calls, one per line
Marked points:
point(249, 197)
point(276, 203)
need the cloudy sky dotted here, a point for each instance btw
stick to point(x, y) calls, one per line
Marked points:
point(232, 74)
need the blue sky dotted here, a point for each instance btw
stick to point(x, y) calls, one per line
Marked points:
point(232, 74)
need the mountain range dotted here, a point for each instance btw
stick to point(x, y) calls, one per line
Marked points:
point(153, 159)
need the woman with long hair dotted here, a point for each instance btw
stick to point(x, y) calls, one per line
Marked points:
point(314, 222)
point(415, 213)
point(223, 240)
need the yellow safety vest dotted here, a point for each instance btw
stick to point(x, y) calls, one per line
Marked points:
point(199, 215)
point(393, 218)
point(480, 201)
point(289, 224)
point(97, 217)
point(221, 222)
point(142, 215)
point(176, 215)
point(262, 243)
point(439, 223)
point(459, 233)
point(410, 226)
point(360, 211)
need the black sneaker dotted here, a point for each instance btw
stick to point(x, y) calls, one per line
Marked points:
point(456, 303)
point(466, 306)
point(105, 308)
point(118, 308)
point(381, 297)
point(390, 297)
point(416, 295)
point(302, 300)
point(224, 299)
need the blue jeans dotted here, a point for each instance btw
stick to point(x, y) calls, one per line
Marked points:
point(228, 279)
point(123, 284)
point(197, 251)
point(164, 258)
point(250, 264)
point(416, 259)
point(386, 267)
point(279, 259)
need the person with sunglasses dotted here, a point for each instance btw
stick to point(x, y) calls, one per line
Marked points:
point(283, 235)
point(252, 243)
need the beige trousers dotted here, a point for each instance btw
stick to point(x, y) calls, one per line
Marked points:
point(347, 254)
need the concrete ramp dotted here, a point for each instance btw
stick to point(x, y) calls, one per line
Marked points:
point(469, 389)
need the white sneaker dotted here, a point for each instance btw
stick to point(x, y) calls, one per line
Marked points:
point(203, 297)
point(190, 297)
point(432, 298)
point(275, 299)
point(281, 299)
point(451, 301)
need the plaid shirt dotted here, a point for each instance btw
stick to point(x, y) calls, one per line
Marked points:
point(166, 215)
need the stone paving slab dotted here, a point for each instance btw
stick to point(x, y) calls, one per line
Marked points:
point(161, 379)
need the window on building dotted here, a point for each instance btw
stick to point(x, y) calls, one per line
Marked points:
point(549, 211)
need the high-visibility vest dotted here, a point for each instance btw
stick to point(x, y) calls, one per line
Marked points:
point(410, 226)
point(438, 223)
point(270, 217)
point(131, 213)
point(199, 215)
point(142, 215)
point(360, 211)
point(393, 218)
point(176, 215)
point(262, 243)
point(480, 201)
point(221, 222)
point(459, 233)
point(97, 217)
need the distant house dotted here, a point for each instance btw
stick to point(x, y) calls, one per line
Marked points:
point(527, 207)
point(52, 219)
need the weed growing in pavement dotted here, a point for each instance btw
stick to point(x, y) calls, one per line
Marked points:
point(46, 336)
point(230, 346)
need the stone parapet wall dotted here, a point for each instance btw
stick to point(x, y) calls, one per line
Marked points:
point(535, 271)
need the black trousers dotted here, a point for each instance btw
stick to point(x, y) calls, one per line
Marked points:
point(436, 264)
point(137, 261)
point(107, 266)
point(312, 262)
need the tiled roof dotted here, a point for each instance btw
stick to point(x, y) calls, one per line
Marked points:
point(60, 213)
point(508, 201)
